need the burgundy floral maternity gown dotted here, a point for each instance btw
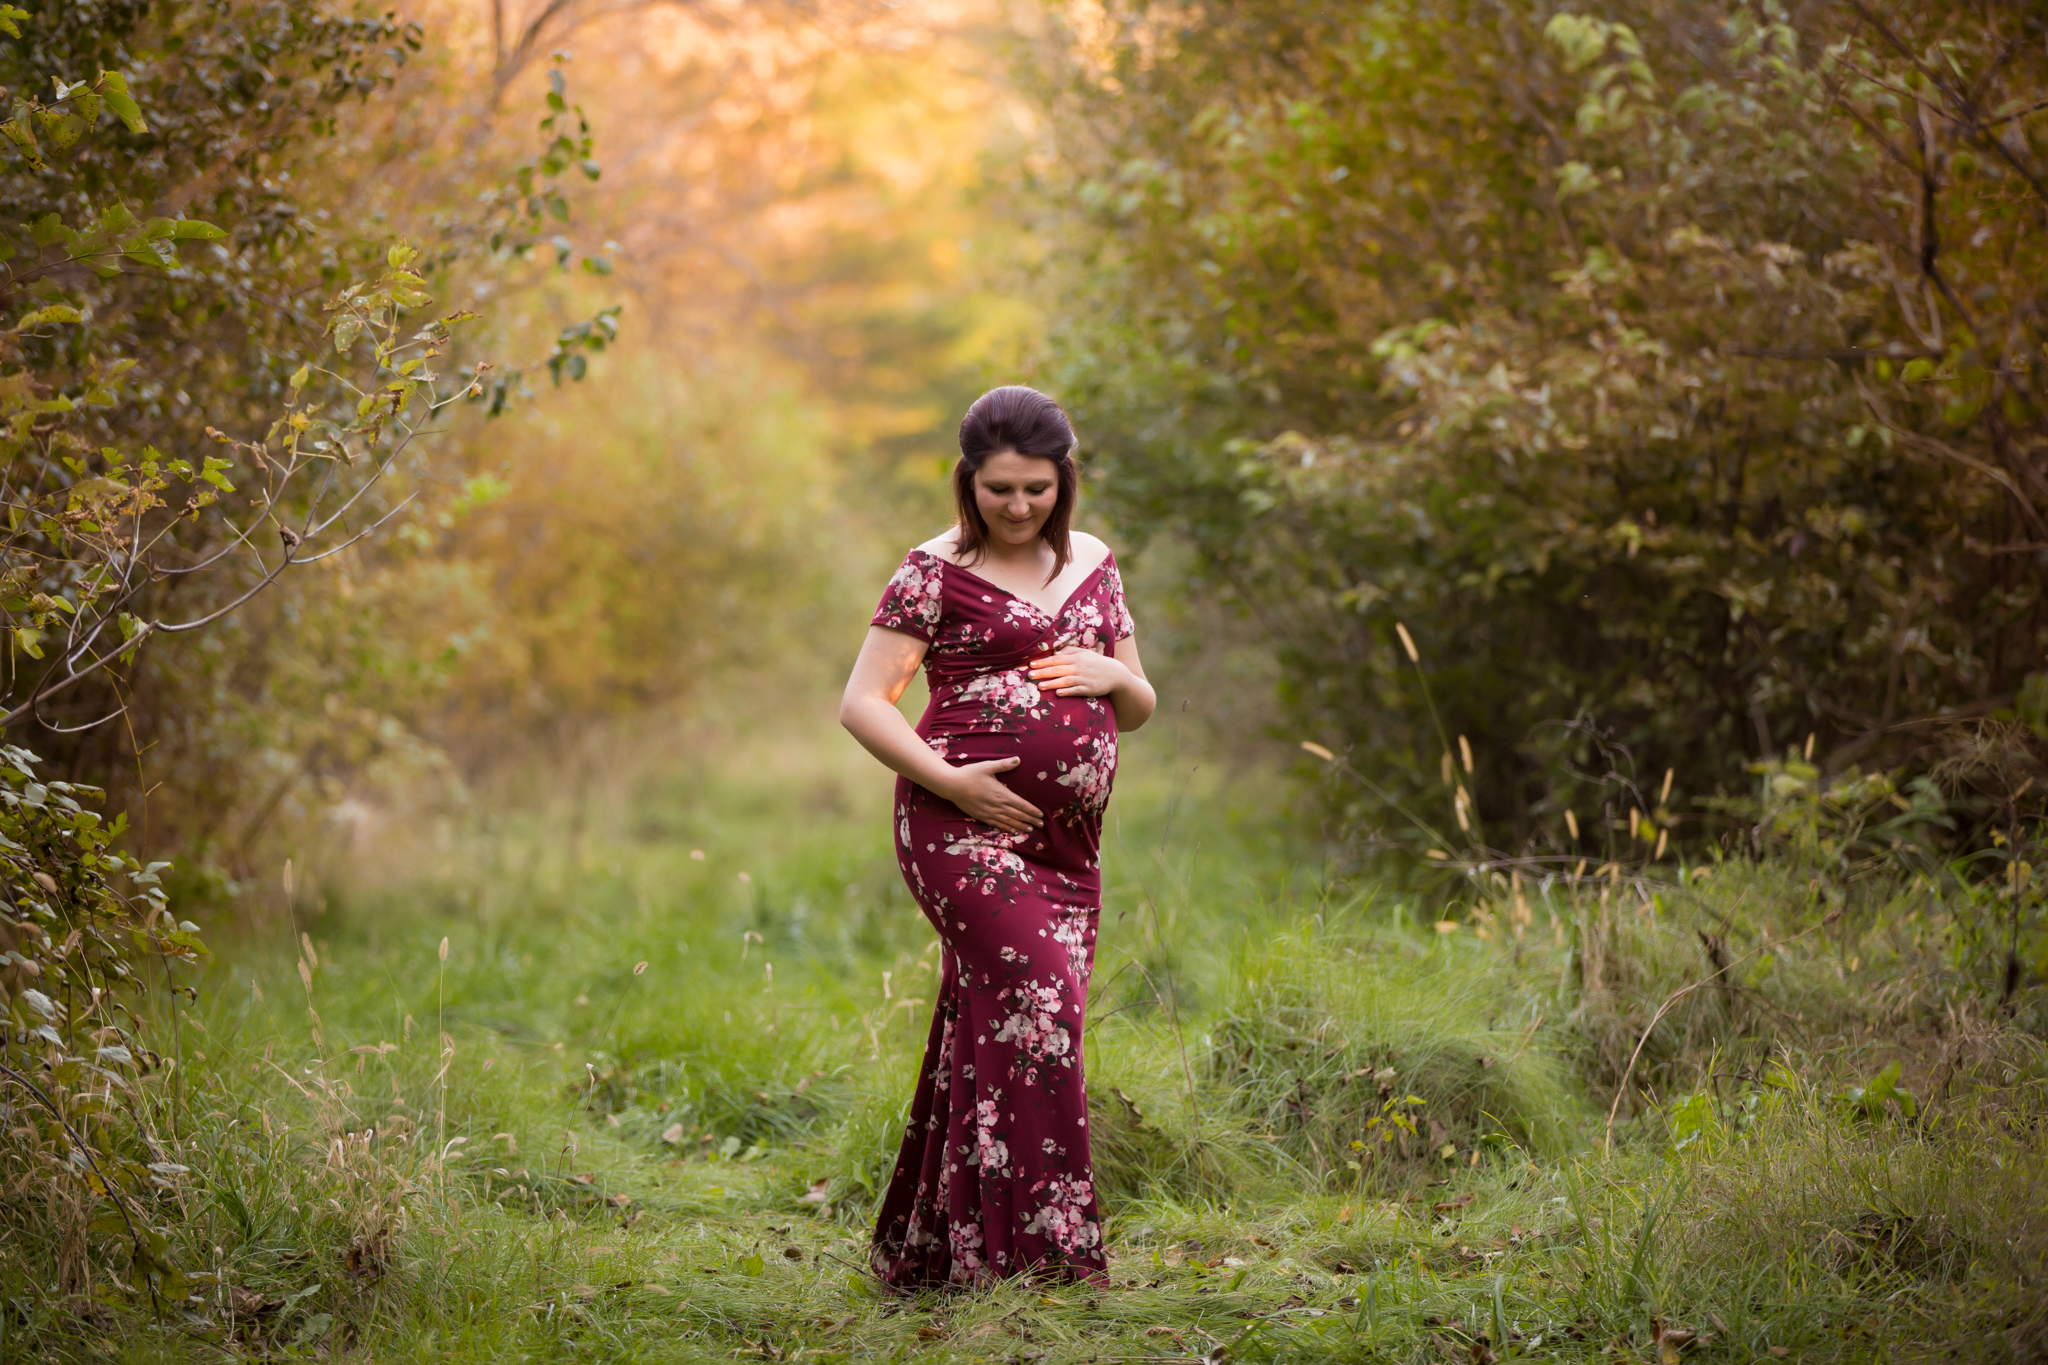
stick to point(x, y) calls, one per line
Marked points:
point(994, 1177)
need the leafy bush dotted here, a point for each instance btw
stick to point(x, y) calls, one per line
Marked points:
point(215, 374)
point(1673, 371)
point(130, 517)
point(81, 1167)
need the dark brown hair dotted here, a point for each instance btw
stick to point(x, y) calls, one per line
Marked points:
point(1026, 422)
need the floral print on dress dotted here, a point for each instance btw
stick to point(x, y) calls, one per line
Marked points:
point(1064, 1217)
point(994, 1176)
point(911, 602)
point(1090, 777)
point(1005, 699)
point(993, 866)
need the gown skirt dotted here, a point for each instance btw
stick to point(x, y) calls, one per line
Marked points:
point(993, 1179)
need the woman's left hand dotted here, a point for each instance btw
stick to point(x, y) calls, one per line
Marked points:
point(1079, 673)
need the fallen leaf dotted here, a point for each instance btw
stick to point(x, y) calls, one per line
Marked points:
point(1781, 1350)
point(816, 1194)
point(931, 1334)
point(247, 1303)
point(1453, 1205)
point(793, 1253)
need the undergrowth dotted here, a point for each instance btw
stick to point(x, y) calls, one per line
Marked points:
point(634, 1104)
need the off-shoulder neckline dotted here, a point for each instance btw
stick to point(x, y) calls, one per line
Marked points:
point(1089, 577)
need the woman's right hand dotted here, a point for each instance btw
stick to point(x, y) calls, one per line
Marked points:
point(977, 791)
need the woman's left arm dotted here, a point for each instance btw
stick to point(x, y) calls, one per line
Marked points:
point(1090, 673)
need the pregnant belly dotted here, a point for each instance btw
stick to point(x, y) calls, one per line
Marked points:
point(1067, 754)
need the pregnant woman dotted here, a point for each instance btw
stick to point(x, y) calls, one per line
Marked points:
point(1021, 628)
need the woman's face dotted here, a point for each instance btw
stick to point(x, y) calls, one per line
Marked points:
point(1016, 494)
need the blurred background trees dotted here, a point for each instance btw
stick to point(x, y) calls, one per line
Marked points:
point(770, 202)
point(1669, 372)
point(1673, 372)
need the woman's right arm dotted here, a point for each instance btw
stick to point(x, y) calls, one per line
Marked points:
point(888, 660)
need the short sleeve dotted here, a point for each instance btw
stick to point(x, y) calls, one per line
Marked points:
point(913, 601)
point(1117, 615)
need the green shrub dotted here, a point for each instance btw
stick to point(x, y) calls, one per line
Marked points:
point(1327, 1044)
point(1584, 345)
point(81, 1167)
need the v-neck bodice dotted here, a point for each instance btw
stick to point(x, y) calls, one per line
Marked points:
point(1085, 580)
point(983, 639)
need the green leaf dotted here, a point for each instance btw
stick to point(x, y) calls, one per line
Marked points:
point(1916, 370)
point(314, 1329)
point(10, 20)
point(752, 1264)
point(149, 251)
point(193, 230)
point(17, 131)
point(56, 312)
point(116, 220)
point(114, 89)
point(61, 126)
point(346, 331)
point(299, 377)
point(212, 473)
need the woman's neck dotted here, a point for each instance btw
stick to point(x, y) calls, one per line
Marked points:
point(1035, 559)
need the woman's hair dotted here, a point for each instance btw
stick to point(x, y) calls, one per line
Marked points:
point(1025, 421)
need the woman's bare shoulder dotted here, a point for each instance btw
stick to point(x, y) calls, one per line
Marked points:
point(945, 545)
point(1089, 550)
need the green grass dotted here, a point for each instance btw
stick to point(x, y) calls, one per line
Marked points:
point(1325, 1130)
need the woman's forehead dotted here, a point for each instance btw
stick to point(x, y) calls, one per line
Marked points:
point(1010, 465)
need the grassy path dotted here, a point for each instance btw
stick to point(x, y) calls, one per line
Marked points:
point(639, 1104)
